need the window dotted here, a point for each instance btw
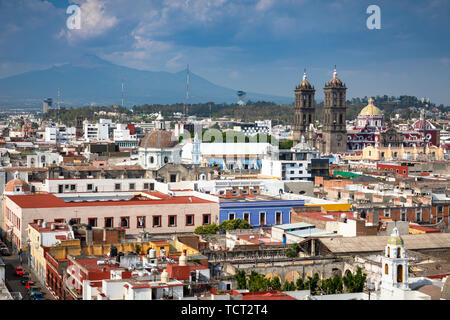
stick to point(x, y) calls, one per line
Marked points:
point(399, 252)
point(145, 186)
point(166, 159)
point(152, 186)
point(117, 186)
point(439, 219)
point(278, 217)
point(173, 178)
point(75, 220)
point(156, 221)
point(172, 221)
point(109, 222)
point(440, 209)
point(132, 186)
point(206, 219)
point(262, 218)
point(66, 187)
point(73, 187)
point(190, 220)
point(231, 216)
point(386, 269)
point(403, 216)
point(125, 222)
point(59, 220)
point(90, 186)
point(247, 217)
point(141, 222)
point(92, 222)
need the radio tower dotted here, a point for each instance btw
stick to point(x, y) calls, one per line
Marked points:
point(186, 102)
point(122, 93)
point(59, 95)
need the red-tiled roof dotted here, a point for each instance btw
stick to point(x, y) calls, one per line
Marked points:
point(182, 272)
point(266, 295)
point(52, 201)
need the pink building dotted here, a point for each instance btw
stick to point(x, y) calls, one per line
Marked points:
point(150, 211)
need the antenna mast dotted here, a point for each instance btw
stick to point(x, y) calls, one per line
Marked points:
point(186, 103)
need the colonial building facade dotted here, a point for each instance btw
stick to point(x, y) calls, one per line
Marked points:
point(332, 139)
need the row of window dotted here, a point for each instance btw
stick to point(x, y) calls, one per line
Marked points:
point(15, 220)
point(141, 221)
point(262, 217)
point(91, 187)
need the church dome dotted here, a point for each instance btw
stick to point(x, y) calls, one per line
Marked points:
point(305, 84)
point(395, 238)
point(15, 184)
point(370, 110)
point(335, 81)
point(158, 139)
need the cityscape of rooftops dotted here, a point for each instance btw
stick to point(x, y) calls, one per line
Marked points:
point(235, 151)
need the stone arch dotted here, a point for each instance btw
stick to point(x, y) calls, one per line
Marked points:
point(336, 271)
point(272, 275)
point(292, 276)
point(347, 272)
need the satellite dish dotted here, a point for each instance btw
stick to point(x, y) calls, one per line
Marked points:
point(241, 96)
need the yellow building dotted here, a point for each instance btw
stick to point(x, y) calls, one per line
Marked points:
point(40, 237)
point(401, 153)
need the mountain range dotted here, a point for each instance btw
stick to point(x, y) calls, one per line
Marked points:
point(93, 81)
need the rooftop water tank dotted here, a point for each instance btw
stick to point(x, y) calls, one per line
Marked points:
point(165, 276)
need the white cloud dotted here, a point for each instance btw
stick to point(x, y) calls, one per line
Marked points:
point(95, 21)
point(264, 5)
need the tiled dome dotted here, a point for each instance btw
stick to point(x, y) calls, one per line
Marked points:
point(158, 139)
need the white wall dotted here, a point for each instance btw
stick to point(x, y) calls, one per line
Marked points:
point(103, 185)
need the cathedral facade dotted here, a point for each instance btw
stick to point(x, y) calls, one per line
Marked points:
point(369, 128)
point(333, 138)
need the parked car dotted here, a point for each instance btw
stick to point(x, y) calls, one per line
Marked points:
point(32, 289)
point(19, 271)
point(37, 296)
point(4, 251)
point(29, 284)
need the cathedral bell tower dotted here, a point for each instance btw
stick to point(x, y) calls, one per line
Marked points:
point(334, 109)
point(303, 110)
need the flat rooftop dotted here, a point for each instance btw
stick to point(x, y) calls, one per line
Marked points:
point(47, 200)
point(294, 226)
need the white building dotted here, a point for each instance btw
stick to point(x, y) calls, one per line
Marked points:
point(59, 134)
point(42, 159)
point(294, 169)
point(99, 131)
point(122, 133)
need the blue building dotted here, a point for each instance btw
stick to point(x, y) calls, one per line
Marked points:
point(257, 211)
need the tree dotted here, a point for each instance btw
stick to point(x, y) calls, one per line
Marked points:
point(289, 286)
point(276, 283)
point(241, 279)
point(234, 224)
point(207, 229)
point(300, 284)
point(355, 282)
point(293, 251)
point(313, 284)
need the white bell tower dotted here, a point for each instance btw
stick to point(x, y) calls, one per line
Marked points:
point(394, 265)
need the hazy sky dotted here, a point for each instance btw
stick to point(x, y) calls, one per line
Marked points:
point(252, 45)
